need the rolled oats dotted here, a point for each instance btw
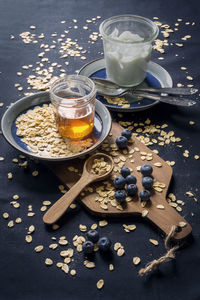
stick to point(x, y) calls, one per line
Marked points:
point(100, 284)
point(48, 261)
point(136, 260)
point(28, 238)
point(154, 242)
point(39, 248)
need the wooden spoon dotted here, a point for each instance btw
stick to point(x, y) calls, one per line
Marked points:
point(59, 208)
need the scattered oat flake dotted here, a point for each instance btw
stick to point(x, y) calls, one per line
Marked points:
point(129, 227)
point(10, 176)
point(89, 264)
point(11, 223)
point(65, 268)
point(31, 228)
point(103, 223)
point(73, 272)
point(18, 220)
point(5, 215)
point(53, 246)
point(154, 242)
point(120, 252)
point(100, 284)
point(182, 224)
point(189, 194)
point(160, 206)
point(136, 260)
point(35, 173)
point(16, 205)
point(46, 202)
point(63, 242)
point(59, 264)
point(28, 238)
point(48, 261)
point(39, 248)
point(117, 246)
point(15, 160)
point(83, 228)
point(178, 208)
point(43, 208)
point(30, 214)
point(55, 226)
point(158, 164)
point(94, 226)
point(145, 213)
point(72, 206)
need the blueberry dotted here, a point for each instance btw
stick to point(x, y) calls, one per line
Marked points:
point(147, 182)
point(127, 133)
point(146, 170)
point(132, 189)
point(119, 182)
point(145, 195)
point(131, 179)
point(121, 142)
point(88, 247)
point(120, 196)
point(104, 244)
point(92, 235)
point(125, 172)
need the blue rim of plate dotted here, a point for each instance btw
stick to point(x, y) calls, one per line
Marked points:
point(156, 76)
point(102, 125)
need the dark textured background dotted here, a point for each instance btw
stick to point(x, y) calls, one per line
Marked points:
point(23, 274)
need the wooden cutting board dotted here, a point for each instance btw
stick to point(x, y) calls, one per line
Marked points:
point(164, 218)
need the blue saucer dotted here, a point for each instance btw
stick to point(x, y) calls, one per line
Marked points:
point(156, 77)
point(102, 126)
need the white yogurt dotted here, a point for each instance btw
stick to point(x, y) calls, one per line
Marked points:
point(126, 63)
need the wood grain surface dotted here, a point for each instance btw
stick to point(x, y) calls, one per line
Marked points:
point(163, 218)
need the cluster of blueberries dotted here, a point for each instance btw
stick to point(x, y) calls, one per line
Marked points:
point(129, 181)
point(122, 140)
point(103, 243)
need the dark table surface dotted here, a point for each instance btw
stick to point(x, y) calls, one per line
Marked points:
point(23, 272)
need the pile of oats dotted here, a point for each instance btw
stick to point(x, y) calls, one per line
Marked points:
point(120, 101)
point(100, 166)
point(39, 132)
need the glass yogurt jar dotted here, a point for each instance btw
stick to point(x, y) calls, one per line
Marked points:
point(127, 41)
point(73, 97)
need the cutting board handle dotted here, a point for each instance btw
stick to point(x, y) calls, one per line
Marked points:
point(166, 218)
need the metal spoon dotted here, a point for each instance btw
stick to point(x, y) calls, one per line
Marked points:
point(108, 88)
point(60, 206)
point(114, 89)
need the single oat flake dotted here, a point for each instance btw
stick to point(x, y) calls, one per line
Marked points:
point(136, 260)
point(48, 261)
point(100, 284)
point(154, 242)
point(39, 248)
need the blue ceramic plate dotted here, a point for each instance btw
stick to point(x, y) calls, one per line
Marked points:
point(156, 77)
point(102, 125)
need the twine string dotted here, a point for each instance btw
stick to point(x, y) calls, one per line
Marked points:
point(170, 254)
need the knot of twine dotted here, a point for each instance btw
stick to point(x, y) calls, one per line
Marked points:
point(169, 255)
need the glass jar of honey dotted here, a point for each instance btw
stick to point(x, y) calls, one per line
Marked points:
point(73, 97)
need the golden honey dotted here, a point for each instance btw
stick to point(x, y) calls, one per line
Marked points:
point(73, 97)
point(75, 128)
